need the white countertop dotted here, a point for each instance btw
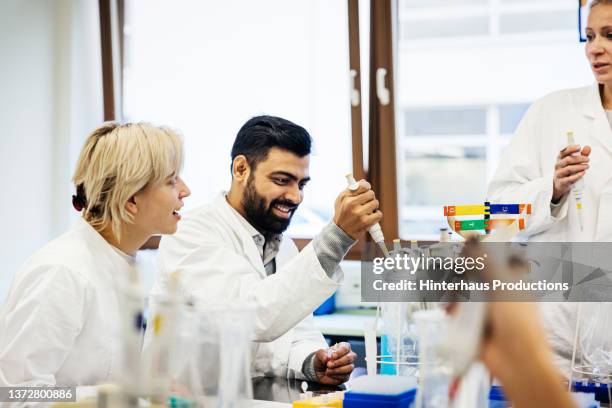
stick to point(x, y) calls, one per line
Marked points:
point(343, 324)
point(269, 404)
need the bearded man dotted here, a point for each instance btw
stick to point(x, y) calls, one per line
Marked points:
point(233, 250)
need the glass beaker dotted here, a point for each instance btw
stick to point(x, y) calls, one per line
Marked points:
point(434, 371)
point(131, 305)
point(399, 338)
point(595, 340)
point(212, 356)
point(164, 314)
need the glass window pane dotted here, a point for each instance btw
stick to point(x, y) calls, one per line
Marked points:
point(542, 21)
point(488, 79)
point(444, 175)
point(527, 2)
point(427, 29)
point(207, 67)
point(446, 121)
point(450, 175)
point(510, 116)
point(436, 3)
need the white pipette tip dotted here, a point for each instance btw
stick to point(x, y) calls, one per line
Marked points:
point(352, 183)
point(375, 230)
point(397, 244)
point(331, 350)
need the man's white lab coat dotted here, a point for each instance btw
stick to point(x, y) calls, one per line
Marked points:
point(219, 262)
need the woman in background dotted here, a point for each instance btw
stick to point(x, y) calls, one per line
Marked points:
point(60, 325)
point(539, 167)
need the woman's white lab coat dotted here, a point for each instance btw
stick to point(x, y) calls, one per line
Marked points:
point(525, 172)
point(220, 262)
point(60, 323)
point(525, 175)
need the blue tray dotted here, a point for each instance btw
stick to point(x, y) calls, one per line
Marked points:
point(354, 399)
point(497, 399)
point(600, 390)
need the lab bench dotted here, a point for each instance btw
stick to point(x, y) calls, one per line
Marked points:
point(284, 391)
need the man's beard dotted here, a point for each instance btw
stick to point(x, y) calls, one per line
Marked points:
point(262, 218)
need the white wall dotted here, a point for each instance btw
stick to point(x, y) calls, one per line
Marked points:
point(50, 97)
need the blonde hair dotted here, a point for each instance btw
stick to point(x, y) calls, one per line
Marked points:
point(118, 161)
point(598, 2)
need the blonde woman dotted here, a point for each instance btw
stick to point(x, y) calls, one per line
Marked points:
point(60, 323)
point(539, 167)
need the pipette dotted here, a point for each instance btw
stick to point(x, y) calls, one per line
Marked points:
point(578, 186)
point(375, 230)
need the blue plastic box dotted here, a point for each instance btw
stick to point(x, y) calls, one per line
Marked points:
point(497, 399)
point(600, 390)
point(327, 307)
point(354, 399)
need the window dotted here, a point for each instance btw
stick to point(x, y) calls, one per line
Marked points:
point(446, 121)
point(509, 117)
point(207, 67)
point(468, 26)
point(537, 21)
point(467, 71)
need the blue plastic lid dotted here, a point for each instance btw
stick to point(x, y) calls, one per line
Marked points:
point(599, 389)
point(358, 396)
point(496, 393)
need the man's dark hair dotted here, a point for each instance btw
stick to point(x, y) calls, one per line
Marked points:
point(261, 133)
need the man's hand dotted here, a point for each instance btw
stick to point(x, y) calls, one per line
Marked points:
point(356, 210)
point(336, 369)
point(569, 169)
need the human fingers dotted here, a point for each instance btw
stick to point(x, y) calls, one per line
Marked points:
point(362, 187)
point(368, 208)
point(573, 178)
point(571, 170)
point(571, 160)
point(345, 359)
point(340, 371)
point(340, 350)
point(320, 359)
point(360, 199)
point(569, 150)
point(586, 150)
point(371, 219)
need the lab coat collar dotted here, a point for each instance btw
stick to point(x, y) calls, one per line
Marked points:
point(594, 109)
point(114, 262)
point(592, 102)
point(246, 238)
point(267, 245)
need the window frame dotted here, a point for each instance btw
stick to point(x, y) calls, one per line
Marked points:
point(381, 172)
